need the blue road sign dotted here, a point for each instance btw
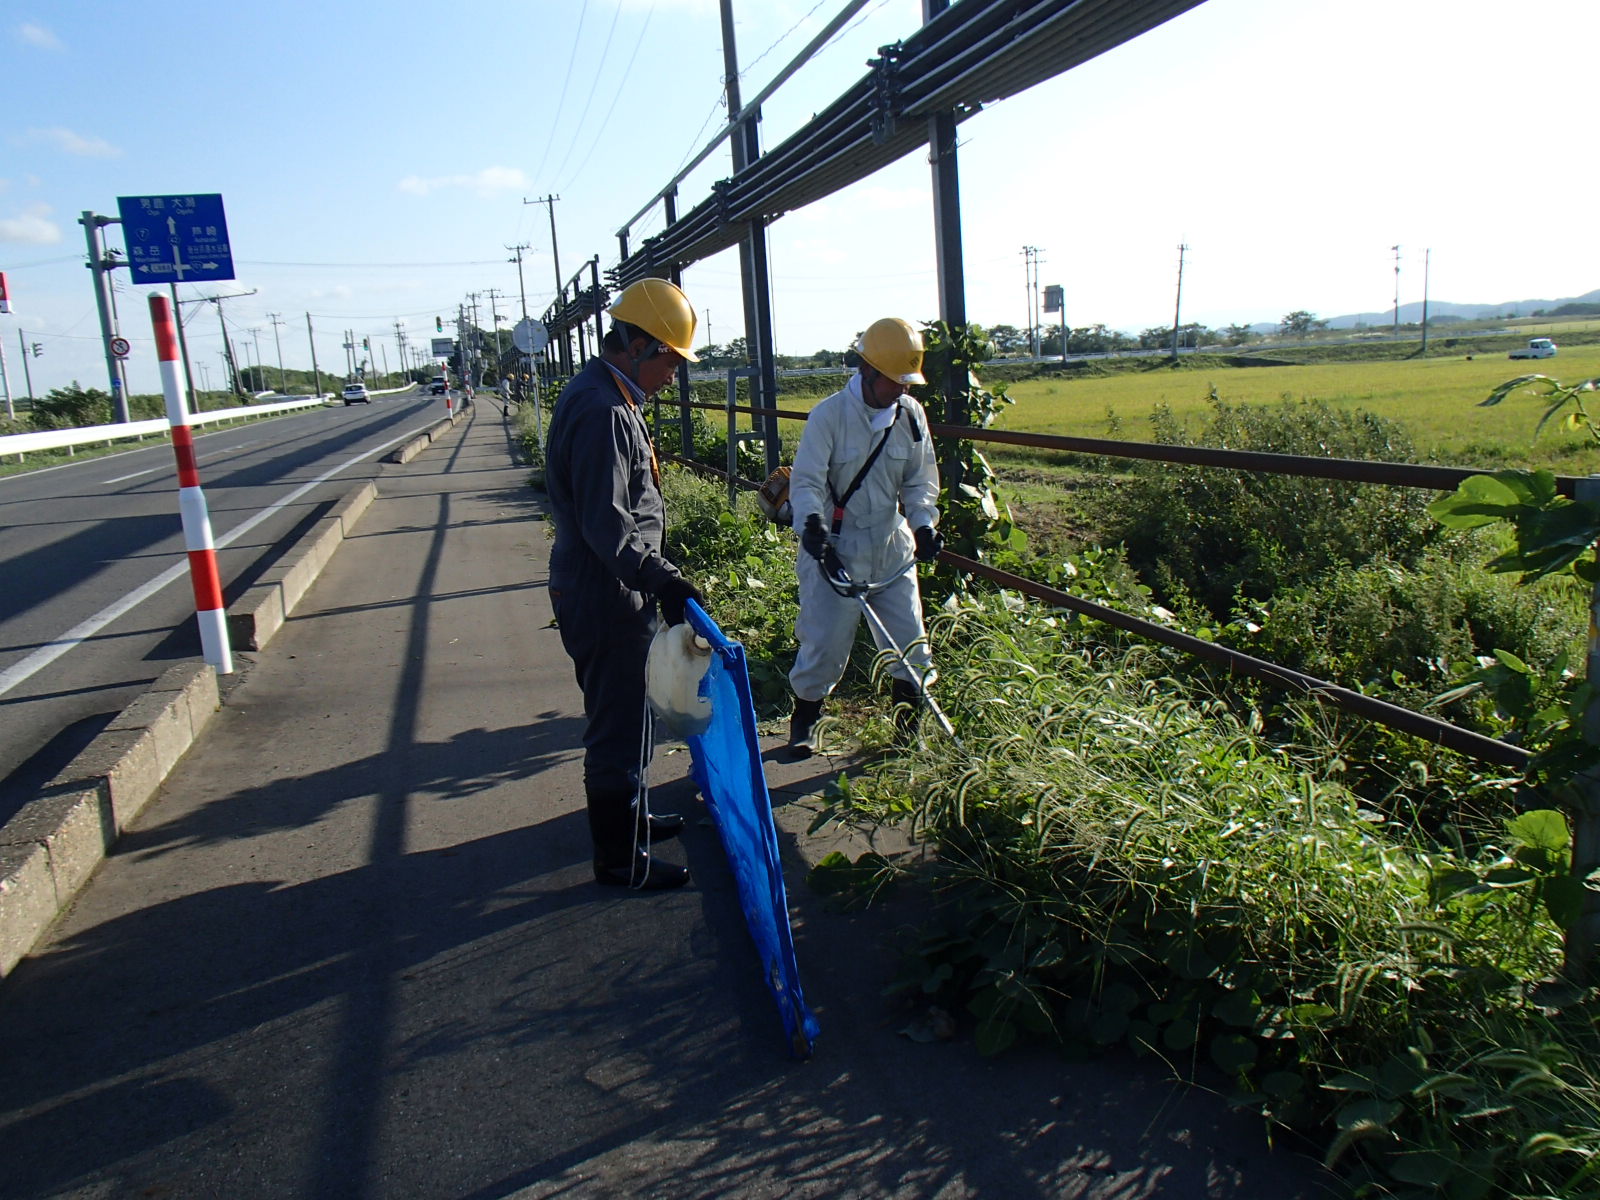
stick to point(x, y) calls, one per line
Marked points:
point(175, 239)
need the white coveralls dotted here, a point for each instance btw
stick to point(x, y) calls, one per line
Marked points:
point(875, 537)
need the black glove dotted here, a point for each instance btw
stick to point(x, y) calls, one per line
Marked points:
point(832, 565)
point(929, 542)
point(813, 539)
point(674, 594)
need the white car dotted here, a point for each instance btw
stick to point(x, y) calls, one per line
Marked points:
point(356, 393)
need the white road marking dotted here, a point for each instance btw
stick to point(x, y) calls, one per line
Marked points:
point(85, 629)
point(135, 475)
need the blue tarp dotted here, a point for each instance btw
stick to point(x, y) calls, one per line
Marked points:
point(727, 769)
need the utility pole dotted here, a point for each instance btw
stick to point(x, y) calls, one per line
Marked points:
point(400, 343)
point(1030, 293)
point(1427, 257)
point(92, 224)
point(260, 377)
point(1396, 250)
point(1177, 306)
point(277, 341)
point(183, 339)
point(522, 290)
point(227, 349)
point(494, 317)
point(5, 382)
point(26, 373)
point(312, 338)
point(555, 254)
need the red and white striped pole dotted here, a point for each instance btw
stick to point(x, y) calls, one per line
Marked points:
point(191, 500)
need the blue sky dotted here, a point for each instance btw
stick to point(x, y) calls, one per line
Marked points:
point(374, 160)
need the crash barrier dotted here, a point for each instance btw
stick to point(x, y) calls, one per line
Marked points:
point(22, 444)
point(1432, 478)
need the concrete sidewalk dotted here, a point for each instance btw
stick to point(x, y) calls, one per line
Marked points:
point(353, 949)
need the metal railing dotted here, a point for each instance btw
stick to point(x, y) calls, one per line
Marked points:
point(22, 444)
point(1392, 716)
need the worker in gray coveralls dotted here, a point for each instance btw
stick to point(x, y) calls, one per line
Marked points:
point(607, 570)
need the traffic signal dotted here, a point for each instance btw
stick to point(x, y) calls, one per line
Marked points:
point(37, 349)
point(438, 324)
point(366, 343)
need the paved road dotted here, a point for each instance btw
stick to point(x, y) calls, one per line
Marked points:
point(97, 600)
point(353, 950)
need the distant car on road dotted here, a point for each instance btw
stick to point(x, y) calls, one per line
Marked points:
point(356, 393)
point(439, 386)
point(1537, 348)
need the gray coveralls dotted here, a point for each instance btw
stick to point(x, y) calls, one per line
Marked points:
point(605, 567)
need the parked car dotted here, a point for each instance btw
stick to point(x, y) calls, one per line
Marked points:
point(1537, 348)
point(439, 386)
point(356, 393)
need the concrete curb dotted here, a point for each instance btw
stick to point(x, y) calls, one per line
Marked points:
point(405, 453)
point(53, 844)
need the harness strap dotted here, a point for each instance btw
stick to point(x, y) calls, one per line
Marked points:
point(855, 484)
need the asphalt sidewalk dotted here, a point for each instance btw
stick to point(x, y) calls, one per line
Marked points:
point(352, 948)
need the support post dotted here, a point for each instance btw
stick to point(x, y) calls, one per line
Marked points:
point(1583, 937)
point(753, 268)
point(948, 256)
point(92, 225)
point(197, 540)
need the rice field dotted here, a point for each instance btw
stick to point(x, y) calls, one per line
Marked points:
point(1436, 399)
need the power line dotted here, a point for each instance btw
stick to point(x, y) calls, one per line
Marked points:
point(565, 83)
point(600, 68)
point(605, 122)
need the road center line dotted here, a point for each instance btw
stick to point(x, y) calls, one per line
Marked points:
point(135, 475)
point(85, 629)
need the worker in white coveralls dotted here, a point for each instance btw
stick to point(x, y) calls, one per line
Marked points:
point(608, 573)
point(865, 488)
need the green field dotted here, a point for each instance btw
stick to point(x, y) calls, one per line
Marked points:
point(1436, 399)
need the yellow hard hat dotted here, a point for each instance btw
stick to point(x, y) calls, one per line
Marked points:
point(662, 310)
point(894, 348)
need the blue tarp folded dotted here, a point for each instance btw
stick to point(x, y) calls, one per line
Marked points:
point(727, 769)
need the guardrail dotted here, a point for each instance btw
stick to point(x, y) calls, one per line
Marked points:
point(22, 444)
point(1414, 475)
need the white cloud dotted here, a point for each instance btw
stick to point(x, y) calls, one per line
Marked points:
point(486, 182)
point(69, 142)
point(32, 228)
point(37, 35)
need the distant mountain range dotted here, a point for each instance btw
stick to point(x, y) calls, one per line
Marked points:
point(1411, 312)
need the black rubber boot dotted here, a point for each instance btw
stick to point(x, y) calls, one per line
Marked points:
point(616, 861)
point(663, 828)
point(907, 699)
point(803, 728)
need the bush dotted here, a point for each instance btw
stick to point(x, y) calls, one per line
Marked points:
point(1221, 536)
point(72, 407)
point(1120, 862)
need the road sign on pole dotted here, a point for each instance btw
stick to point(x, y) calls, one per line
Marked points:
point(121, 347)
point(443, 347)
point(530, 336)
point(176, 239)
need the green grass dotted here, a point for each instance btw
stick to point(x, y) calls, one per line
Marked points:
point(1435, 398)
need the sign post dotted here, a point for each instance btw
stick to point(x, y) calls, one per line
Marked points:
point(532, 338)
